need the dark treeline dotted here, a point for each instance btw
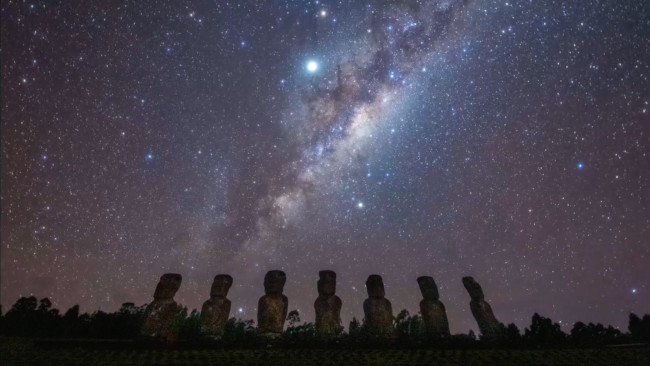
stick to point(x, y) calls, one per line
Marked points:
point(30, 317)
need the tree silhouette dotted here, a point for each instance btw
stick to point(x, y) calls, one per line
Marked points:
point(512, 333)
point(22, 319)
point(639, 327)
point(471, 335)
point(188, 326)
point(544, 331)
point(407, 326)
point(594, 334)
point(239, 331)
point(355, 327)
point(30, 317)
point(293, 318)
point(70, 322)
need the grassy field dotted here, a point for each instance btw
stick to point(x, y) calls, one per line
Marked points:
point(18, 352)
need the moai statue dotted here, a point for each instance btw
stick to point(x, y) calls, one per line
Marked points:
point(272, 307)
point(481, 310)
point(432, 309)
point(327, 306)
point(215, 311)
point(377, 310)
point(160, 314)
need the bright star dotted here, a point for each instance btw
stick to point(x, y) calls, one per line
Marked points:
point(634, 291)
point(312, 66)
point(360, 205)
point(241, 310)
point(581, 165)
point(149, 156)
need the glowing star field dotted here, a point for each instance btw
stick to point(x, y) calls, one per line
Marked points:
point(508, 141)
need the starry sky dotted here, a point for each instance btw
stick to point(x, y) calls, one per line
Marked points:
point(509, 141)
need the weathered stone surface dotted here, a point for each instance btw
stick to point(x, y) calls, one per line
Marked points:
point(215, 311)
point(481, 310)
point(272, 307)
point(161, 313)
point(377, 310)
point(432, 309)
point(327, 305)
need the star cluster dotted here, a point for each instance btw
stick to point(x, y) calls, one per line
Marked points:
point(509, 141)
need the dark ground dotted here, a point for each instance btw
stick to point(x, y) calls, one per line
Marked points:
point(31, 352)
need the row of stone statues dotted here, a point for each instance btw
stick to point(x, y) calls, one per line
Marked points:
point(272, 307)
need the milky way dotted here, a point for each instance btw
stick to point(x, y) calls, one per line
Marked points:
point(506, 141)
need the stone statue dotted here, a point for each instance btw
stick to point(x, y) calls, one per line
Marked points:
point(215, 311)
point(272, 307)
point(161, 313)
point(481, 310)
point(377, 310)
point(327, 306)
point(432, 309)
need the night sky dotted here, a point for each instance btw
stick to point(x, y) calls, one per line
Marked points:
point(509, 141)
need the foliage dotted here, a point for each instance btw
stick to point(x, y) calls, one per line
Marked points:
point(239, 331)
point(188, 326)
point(354, 329)
point(512, 333)
point(293, 318)
point(543, 331)
point(305, 333)
point(409, 327)
point(296, 333)
point(640, 327)
point(594, 334)
point(471, 335)
point(30, 317)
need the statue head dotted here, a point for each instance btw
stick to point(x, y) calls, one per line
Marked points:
point(428, 288)
point(167, 286)
point(220, 285)
point(473, 288)
point(274, 282)
point(375, 286)
point(327, 283)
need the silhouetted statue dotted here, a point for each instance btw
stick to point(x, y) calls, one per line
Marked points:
point(481, 310)
point(160, 314)
point(432, 309)
point(377, 310)
point(327, 305)
point(272, 307)
point(215, 311)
